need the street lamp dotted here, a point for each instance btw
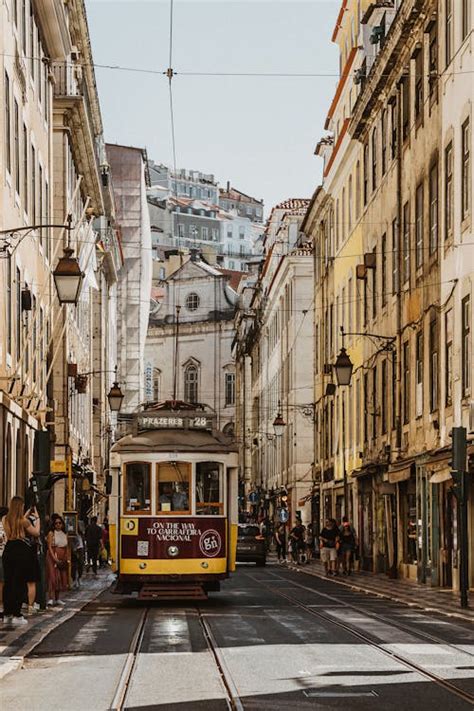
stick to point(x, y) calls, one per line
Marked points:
point(68, 278)
point(115, 396)
point(279, 423)
point(343, 367)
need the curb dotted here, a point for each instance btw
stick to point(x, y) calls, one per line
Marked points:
point(16, 660)
point(386, 596)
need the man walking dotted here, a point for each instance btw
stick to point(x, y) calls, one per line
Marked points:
point(93, 541)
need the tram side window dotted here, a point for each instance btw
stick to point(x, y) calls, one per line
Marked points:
point(173, 487)
point(209, 495)
point(137, 487)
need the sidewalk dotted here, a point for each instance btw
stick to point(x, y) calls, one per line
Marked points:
point(16, 643)
point(438, 600)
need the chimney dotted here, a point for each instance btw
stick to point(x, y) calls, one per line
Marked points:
point(194, 254)
point(228, 186)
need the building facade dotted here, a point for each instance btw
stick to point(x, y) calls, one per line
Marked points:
point(389, 284)
point(53, 195)
point(274, 354)
point(191, 329)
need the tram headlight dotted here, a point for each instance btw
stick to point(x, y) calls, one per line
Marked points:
point(173, 551)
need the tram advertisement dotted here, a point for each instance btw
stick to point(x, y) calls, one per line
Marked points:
point(195, 538)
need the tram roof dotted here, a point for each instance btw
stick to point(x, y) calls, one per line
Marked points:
point(176, 440)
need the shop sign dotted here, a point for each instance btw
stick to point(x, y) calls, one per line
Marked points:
point(58, 466)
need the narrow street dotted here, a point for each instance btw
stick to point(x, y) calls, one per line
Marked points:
point(272, 639)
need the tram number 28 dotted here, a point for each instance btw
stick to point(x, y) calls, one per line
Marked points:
point(199, 422)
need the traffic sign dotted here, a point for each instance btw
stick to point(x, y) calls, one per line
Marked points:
point(283, 515)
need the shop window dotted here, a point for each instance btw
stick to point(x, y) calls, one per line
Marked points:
point(137, 487)
point(209, 494)
point(173, 488)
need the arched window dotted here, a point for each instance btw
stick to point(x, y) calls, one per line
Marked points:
point(192, 301)
point(156, 384)
point(191, 381)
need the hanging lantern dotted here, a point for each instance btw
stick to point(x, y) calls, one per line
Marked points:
point(343, 368)
point(68, 278)
point(279, 423)
point(115, 397)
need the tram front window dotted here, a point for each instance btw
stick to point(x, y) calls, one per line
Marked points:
point(209, 498)
point(137, 487)
point(173, 488)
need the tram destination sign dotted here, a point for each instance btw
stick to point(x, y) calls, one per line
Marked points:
point(175, 422)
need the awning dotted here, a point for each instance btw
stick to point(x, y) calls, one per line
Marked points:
point(439, 477)
point(400, 472)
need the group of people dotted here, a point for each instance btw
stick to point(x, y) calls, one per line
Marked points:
point(337, 544)
point(21, 546)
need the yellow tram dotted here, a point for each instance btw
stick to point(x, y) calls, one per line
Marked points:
point(173, 504)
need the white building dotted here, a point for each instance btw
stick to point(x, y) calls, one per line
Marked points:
point(192, 360)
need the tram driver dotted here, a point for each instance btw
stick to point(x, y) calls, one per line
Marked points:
point(173, 498)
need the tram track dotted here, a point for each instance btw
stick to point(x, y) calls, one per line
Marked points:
point(120, 696)
point(381, 618)
point(426, 673)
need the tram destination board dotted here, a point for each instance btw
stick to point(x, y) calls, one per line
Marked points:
point(167, 422)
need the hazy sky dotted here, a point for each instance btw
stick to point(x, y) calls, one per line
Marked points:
point(257, 132)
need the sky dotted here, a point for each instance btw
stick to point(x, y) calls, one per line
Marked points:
point(257, 132)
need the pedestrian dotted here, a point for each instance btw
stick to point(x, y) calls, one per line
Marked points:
point(93, 542)
point(77, 556)
point(348, 547)
point(329, 539)
point(3, 542)
point(309, 542)
point(297, 536)
point(17, 558)
point(57, 561)
point(280, 542)
point(105, 545)
point(34, 576)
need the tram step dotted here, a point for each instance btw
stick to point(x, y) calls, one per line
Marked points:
point(168, 591)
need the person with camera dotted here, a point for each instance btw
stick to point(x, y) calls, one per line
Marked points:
point(57, 561)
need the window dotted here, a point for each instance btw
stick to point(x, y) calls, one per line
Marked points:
point(395, 257)
point(33, 185)
point(205, 232)
point(433, 345)
point(230, 232)
point(25, 168)
point(449, 30)
point(465, 18)
point(349, 205)
point(448, 191)
point(419, 374)
point(18, 314)
point(32, 40)
point(433, 62)
point(9, 305)
point(343, 216)
point(466, 345)
point(374, 284)
point(23, 26)
point(374, 159)
point(16, 141)
point(174, 480)
point(394, 390)
point(137, 487)
point(366, 174)
point(192, 301)
point(419, 226)
point(406, 382)
point(191, 383)
point(405, 107)
point(230, 389)
point(374, 402)
point(394, 129)
point(448, 324)
point(366, 407)
point(466, 169)
point(384, 398)
point(419, 79)
point(383, 275)
point(8, 127)
point(384, 140)
point(406, 242)
point(209, 490)
point(433, 208)
point(193, 232)
point(241, 232)
point(180, 230)
point(357, 191)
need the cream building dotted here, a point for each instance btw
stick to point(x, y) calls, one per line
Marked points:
point(54, 360)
